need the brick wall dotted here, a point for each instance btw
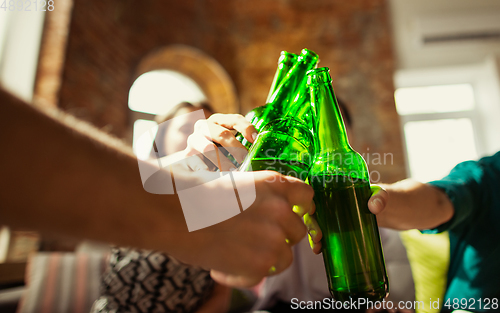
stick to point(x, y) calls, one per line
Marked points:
point(107, 39)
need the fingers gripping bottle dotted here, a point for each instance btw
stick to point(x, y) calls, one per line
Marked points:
point(352, 250)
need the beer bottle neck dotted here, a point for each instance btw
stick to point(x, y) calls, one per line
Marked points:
point(294, 77)
point(285, 63)
point(330, 129)
point(289, 89)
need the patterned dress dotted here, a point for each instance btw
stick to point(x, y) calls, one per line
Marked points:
point(146, 281)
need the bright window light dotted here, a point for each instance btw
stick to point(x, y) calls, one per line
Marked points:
point(142, 148)
point(435, 147)
point(434, 99)
point(156, 92)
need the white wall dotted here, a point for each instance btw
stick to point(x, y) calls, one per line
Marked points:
point(413, 18)
point(456, 61)
point(20, 36)
point(488, 102)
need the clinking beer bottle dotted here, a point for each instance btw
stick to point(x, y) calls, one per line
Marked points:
point(285, 62)
point(300, 108)
point(279, 102)
point(352, 250)
point(285, 144)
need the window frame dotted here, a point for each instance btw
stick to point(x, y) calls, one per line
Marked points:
point(468, 74)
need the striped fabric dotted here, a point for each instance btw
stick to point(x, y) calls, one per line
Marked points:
point(62, 282)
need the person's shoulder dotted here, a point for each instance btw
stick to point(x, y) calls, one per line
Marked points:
point(493, 160)
point(476, 168)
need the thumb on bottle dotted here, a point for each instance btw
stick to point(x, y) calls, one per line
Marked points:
point(378, 200)
point(314, 233)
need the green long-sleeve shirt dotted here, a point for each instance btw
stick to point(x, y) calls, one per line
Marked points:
point(474, 272)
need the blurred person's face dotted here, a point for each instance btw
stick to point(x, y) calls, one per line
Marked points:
point(179, 130)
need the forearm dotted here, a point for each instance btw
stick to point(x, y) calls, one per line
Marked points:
point(414, 205)
point(60, 180)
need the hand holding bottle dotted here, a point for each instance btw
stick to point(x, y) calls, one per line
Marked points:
point(409, 204)
point(376, 205)
point(269, 185)
point(214, 135)
point(260, 237)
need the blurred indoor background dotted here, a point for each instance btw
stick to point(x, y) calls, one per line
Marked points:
point(420, 78)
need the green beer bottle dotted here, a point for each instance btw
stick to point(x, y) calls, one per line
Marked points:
point(285, 62)
point(300, 108)
point(285, 145)
point(280, 101)
point(352, 250)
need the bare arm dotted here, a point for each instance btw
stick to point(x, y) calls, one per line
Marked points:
point(59, 175)
point(409, 204)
